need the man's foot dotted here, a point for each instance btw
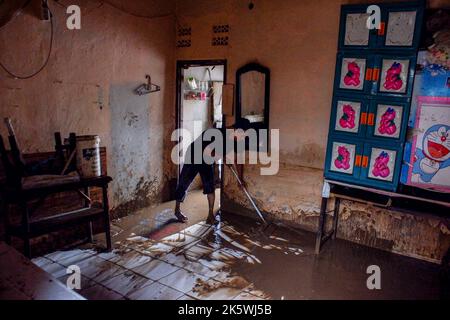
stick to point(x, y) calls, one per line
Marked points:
point(212, 218)
point(180, 216)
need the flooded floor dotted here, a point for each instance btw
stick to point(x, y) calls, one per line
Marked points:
point(158, 258)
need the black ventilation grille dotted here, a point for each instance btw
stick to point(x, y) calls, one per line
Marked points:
point(220, 41)
point(184, 37)
point(183, 43)
point(222, 28)
point(184, 31)
point(220, 35)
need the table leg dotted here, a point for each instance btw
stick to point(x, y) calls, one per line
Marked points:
point(87, 204)
point(26, 229)
point(106, 218)
point(5, 211)
point(322, 217)
point(337, 203)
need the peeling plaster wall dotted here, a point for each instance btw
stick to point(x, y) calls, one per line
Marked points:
point(297, 40)
point(88, 86)
point(420, 236)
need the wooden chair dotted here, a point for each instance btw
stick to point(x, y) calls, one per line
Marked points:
point(20, 190)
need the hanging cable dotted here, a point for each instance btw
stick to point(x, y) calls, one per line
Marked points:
point(134, 14)
point(12, 74)
point(112, 5)
point(12, 16)
point(59, 3)
point(15, 76)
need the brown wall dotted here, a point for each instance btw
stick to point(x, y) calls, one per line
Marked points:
point(297, 40)
point(88, 86)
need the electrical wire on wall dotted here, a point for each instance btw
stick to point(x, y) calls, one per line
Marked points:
point(59, 2)
point(47, 59)
point(112, 5)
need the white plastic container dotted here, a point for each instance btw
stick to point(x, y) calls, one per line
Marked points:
point(88, 156)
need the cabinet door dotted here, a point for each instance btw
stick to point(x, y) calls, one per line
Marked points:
point(381, 165)
point(353, 31)
point(387, 120)
point(400, 27)
point(349, 116)
point(393, 75)
point(353, 73)
point(343, 159)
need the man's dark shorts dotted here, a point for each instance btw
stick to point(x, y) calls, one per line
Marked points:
point(188, 174)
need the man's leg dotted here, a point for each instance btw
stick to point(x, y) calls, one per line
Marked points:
point(211, 198)
point(180, 216)
point(187, 175)
point(207, 175)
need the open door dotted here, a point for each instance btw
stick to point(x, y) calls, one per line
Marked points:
point(199, 104)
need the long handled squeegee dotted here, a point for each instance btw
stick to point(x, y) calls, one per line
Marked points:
point(247, 194)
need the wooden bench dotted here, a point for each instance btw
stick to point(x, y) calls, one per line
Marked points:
point(27, 193)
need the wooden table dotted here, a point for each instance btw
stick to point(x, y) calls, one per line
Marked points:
point(20, 279)
point(408, 199)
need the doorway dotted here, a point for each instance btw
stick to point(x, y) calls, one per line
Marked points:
point(199, 106)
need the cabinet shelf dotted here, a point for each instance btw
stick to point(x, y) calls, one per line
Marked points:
point(372, 95)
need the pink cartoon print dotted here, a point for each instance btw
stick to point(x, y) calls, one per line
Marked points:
point(393, 80)
point(343, 159)
point(380, 168)
point(387, 123)
point(348, 118)
point(353, 75)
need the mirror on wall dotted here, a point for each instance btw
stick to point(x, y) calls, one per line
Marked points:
point(253, 95)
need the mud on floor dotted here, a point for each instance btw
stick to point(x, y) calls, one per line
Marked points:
point(240, 259)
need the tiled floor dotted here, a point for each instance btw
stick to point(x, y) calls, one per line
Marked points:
point(179, 266)
point(236, 259)
point(22, 280)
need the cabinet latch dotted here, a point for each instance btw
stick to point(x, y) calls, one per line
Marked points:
point(365, 161)
point(364, 118)
point(382, 29)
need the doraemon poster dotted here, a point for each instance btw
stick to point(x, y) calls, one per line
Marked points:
point(430, 167)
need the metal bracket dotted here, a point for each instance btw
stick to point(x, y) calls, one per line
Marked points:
point(147, 88)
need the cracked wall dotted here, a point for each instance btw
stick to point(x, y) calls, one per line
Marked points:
point(88, 86)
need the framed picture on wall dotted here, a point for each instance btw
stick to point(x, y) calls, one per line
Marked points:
point(429, 163)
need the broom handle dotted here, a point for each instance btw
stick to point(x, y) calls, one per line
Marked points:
point(247, 194)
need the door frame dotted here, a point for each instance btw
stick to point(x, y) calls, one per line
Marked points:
point(183, 64)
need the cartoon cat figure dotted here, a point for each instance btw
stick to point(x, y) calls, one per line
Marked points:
point(393, 79)
point(348, 118)
point(435, 152)
point(353, 75)
point(343, 159)
point(387, 123)
point(380, 167)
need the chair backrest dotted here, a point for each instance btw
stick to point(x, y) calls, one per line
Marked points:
point(12, 173)
point(63, 152)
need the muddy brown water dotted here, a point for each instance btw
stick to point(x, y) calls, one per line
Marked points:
point(339, 272)
point(280, 263)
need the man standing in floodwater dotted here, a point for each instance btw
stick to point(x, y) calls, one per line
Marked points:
point(194, 165)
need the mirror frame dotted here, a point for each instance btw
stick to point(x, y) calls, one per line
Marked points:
point(264, 70)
